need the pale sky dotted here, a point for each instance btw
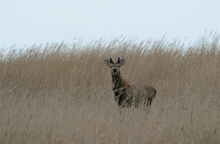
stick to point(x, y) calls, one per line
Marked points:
point(28, 22)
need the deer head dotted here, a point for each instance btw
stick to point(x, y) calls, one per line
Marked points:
point(115, 67)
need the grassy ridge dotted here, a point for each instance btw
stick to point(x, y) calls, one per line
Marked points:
point(59, 93)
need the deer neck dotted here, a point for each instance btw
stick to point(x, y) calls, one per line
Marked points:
point(117, 82)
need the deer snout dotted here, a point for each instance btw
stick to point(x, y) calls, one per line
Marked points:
point(114, 70)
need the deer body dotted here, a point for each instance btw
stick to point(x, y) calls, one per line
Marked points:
point(125, 93)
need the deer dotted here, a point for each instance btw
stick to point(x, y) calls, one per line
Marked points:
point(127, 94)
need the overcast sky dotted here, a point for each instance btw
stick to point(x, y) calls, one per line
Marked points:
point(28, 22)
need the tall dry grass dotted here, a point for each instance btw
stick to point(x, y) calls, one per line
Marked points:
point(58, 93)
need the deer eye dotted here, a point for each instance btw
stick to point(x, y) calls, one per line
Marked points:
point(110, 66)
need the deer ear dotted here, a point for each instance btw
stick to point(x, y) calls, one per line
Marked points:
point(121, 60)
point(108, 61)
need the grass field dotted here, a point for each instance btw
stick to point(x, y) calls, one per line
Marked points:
point(60, 94)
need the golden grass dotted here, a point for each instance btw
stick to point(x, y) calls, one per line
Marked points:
point(59, 93)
